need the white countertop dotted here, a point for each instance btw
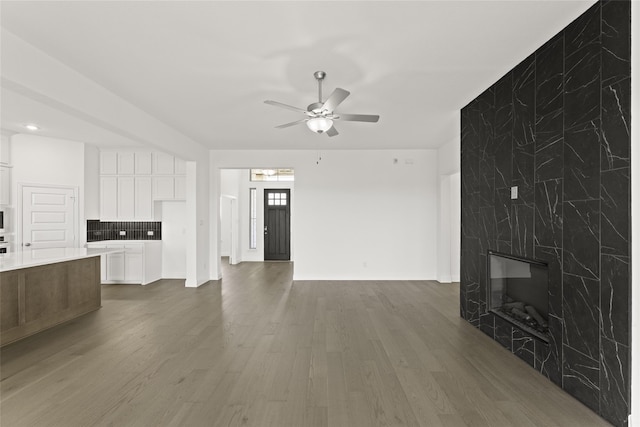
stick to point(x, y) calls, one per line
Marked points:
point(44, 256)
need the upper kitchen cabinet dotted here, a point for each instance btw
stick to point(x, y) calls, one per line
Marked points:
point(131, 180)
point(163, 164)
point(142, 163)
point(108, 162)
point(180, 166)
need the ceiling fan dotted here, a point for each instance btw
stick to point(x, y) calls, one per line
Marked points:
point(321, 115)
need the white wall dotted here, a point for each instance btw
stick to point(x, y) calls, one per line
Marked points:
point(225, 225)
point(449, 211)
point(48, 161)
point(356, 214)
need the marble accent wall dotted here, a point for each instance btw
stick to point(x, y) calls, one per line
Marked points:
point(557, 127)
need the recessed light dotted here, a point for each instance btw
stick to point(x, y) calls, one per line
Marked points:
point(31, 127)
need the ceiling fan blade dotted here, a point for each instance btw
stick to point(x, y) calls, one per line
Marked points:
point(335, 99)
point(288, 107)
point(286, 125)
point(359, 117)
point(332, 131)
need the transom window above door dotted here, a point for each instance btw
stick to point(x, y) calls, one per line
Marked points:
point(277, 199)
point(272, 175)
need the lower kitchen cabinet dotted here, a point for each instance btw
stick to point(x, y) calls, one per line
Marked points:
point(140, 262)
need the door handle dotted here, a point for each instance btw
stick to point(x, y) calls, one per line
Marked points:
point(265, 229)
point(27, 244)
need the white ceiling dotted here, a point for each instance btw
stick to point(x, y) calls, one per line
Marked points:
point(205, 67)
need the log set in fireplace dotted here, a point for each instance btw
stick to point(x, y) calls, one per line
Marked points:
point(519, 292)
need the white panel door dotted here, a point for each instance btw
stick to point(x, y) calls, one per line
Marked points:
point(49, 218)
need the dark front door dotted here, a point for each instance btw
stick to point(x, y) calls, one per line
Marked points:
point(277, 208)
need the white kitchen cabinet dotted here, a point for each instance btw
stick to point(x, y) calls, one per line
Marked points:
point(180, 188)
point(126, 198)
point(115, 267)
point(108, 198)
point(133, 266)
point(163, 188)
point(143, 208)
point(163, 164)
point(126, 162)
point(180, 166)
point(131, 180)
point(140, 262)
point(108, 162)
point(143, 163)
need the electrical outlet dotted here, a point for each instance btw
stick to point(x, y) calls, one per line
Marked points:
point(123, 233)
point(514, 192)
point(150, 233)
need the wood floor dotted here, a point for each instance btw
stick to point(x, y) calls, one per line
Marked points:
point(256, 349)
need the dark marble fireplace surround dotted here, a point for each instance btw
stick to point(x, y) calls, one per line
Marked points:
point(557, 127)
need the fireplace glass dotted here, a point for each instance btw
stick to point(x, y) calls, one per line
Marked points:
point(519, 292)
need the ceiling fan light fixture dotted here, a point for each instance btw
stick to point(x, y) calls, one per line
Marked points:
point(319, 124)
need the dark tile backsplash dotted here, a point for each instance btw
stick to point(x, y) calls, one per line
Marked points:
point(134, 230)
point(557, 127)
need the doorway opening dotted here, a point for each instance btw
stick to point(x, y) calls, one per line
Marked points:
point(250, 200)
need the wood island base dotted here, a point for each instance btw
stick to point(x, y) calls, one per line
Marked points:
point(37, 298)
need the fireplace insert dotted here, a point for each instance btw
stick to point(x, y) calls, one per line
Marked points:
point(519, 292)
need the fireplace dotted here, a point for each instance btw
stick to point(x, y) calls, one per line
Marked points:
point(519, 292)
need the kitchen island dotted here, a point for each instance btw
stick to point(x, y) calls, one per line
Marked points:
point(41, 288)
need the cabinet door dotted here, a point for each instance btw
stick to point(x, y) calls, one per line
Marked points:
point(163, 188)
point(162, 164)
point(108, 198)
point(133, 266)
point(180, 166)
point(108, 162)
point(143, 199)
point(126, 198)
point(180, 188)
point(126, 163)
point(115, 267)
point(143, 163)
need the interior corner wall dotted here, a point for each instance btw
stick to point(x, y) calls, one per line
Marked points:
point(358, 215)
point(557, 127)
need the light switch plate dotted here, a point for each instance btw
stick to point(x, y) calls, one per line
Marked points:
point(123, 233)
point(514, 192)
